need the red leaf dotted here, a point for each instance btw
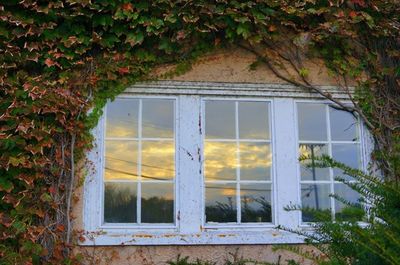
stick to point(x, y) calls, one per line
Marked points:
point(123, 70)
point(359, 2)
point(60, 227)
point(353, 14)
point(52, 190)
point(127, 7)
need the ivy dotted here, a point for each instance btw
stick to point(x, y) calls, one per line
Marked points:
point(60, 61)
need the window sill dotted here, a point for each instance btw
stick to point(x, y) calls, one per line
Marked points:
point(225, 237)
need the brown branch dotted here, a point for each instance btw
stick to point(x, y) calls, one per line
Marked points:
point(307, 85)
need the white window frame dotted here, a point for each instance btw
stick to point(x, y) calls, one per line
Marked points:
point(190, 227)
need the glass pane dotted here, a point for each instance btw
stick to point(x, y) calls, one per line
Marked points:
point(344, 212)
point(122, 118)
point(343, 125)
point(220, 161)
point(315, 201)
point(158, 160)
point(253, 120)
point(220, 203)
point(120, 203)
point(220, 119)
point(312, 122)
point(255, 161)
point(157, 203)
point(157, 118)
point(121, 160)
point(256, 202)
point(347, 154)
point(311, 151)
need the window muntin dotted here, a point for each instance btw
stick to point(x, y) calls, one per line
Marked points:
point(323, 129)
point(238, 162)
point(139, 155)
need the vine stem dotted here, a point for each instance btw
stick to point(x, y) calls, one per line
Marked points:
point(70, 188)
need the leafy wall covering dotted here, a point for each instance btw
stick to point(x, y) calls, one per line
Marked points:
point(59, 59)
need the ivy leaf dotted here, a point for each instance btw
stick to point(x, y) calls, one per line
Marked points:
point(135, 38)
point(6, 185)
point(244, 30)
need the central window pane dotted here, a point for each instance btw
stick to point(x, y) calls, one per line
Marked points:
point(139, 171)
point(238, 161)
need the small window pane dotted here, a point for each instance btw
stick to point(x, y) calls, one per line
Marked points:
point(343, 125)
point(157, 203)
point(256, 202)
point(253, 120)
point(158, 160)
point(220, 203)
point(312, 122)
point(220, 119)
point(344, 212)
point(220, 161)
point(347, 154)
point(315, 202)
point(157, 118)
point(120, 203)
point(311, 151)
point(255, 161)
point(121, 160)
point(122, 118)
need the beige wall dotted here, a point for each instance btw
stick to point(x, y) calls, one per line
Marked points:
point(220, 66)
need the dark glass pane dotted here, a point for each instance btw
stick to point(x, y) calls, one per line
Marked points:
point(254, 120)
point(221, 203)
point(311, 151)
point(121, 160)
point(120, 203)
point(256, 202)
point(157, 203)
point(312, 122)
point(122, 118)
point(158, 118)
point(220, 160)
point(255, 161)
point(351, 211)
point(315, 202)
point(220, 119)
point(158, 160)
point(347, 154)
point(343, 125)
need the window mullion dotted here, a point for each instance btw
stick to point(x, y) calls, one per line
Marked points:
point(189, 164)
point(286, 161)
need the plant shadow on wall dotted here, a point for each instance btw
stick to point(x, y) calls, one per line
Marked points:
point(366, 232)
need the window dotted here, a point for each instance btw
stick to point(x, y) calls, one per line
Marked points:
point(324, 130)
point(214, 164)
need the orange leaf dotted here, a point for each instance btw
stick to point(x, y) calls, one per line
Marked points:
point(123, 70)
point(127, 7)
point(49, 62)
point(353, 14)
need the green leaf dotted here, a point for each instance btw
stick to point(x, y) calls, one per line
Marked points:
point(6, 185)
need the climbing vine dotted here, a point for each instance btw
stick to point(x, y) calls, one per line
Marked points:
point(60, 61)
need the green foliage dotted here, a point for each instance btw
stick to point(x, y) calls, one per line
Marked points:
point(61, 61)
point(349, 242)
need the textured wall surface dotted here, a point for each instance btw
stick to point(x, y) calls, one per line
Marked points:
point(221, 66)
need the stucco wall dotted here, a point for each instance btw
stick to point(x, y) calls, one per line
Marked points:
point(221, 66)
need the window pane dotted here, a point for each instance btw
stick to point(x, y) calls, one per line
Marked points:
point(311, 151)
point(121, 160)
point(122, 118)
point(220, 203)
point(220, 161)
point(315, 202)
point(255, 161)
point(256, 202)
point(120, 203)
point(312, 122)
point(253, 120)
point(347, 154)
point(220, 119)
point(345, 212)
point(157, 118)
point(343, 125)
point(157, 203)
point(158, 160)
